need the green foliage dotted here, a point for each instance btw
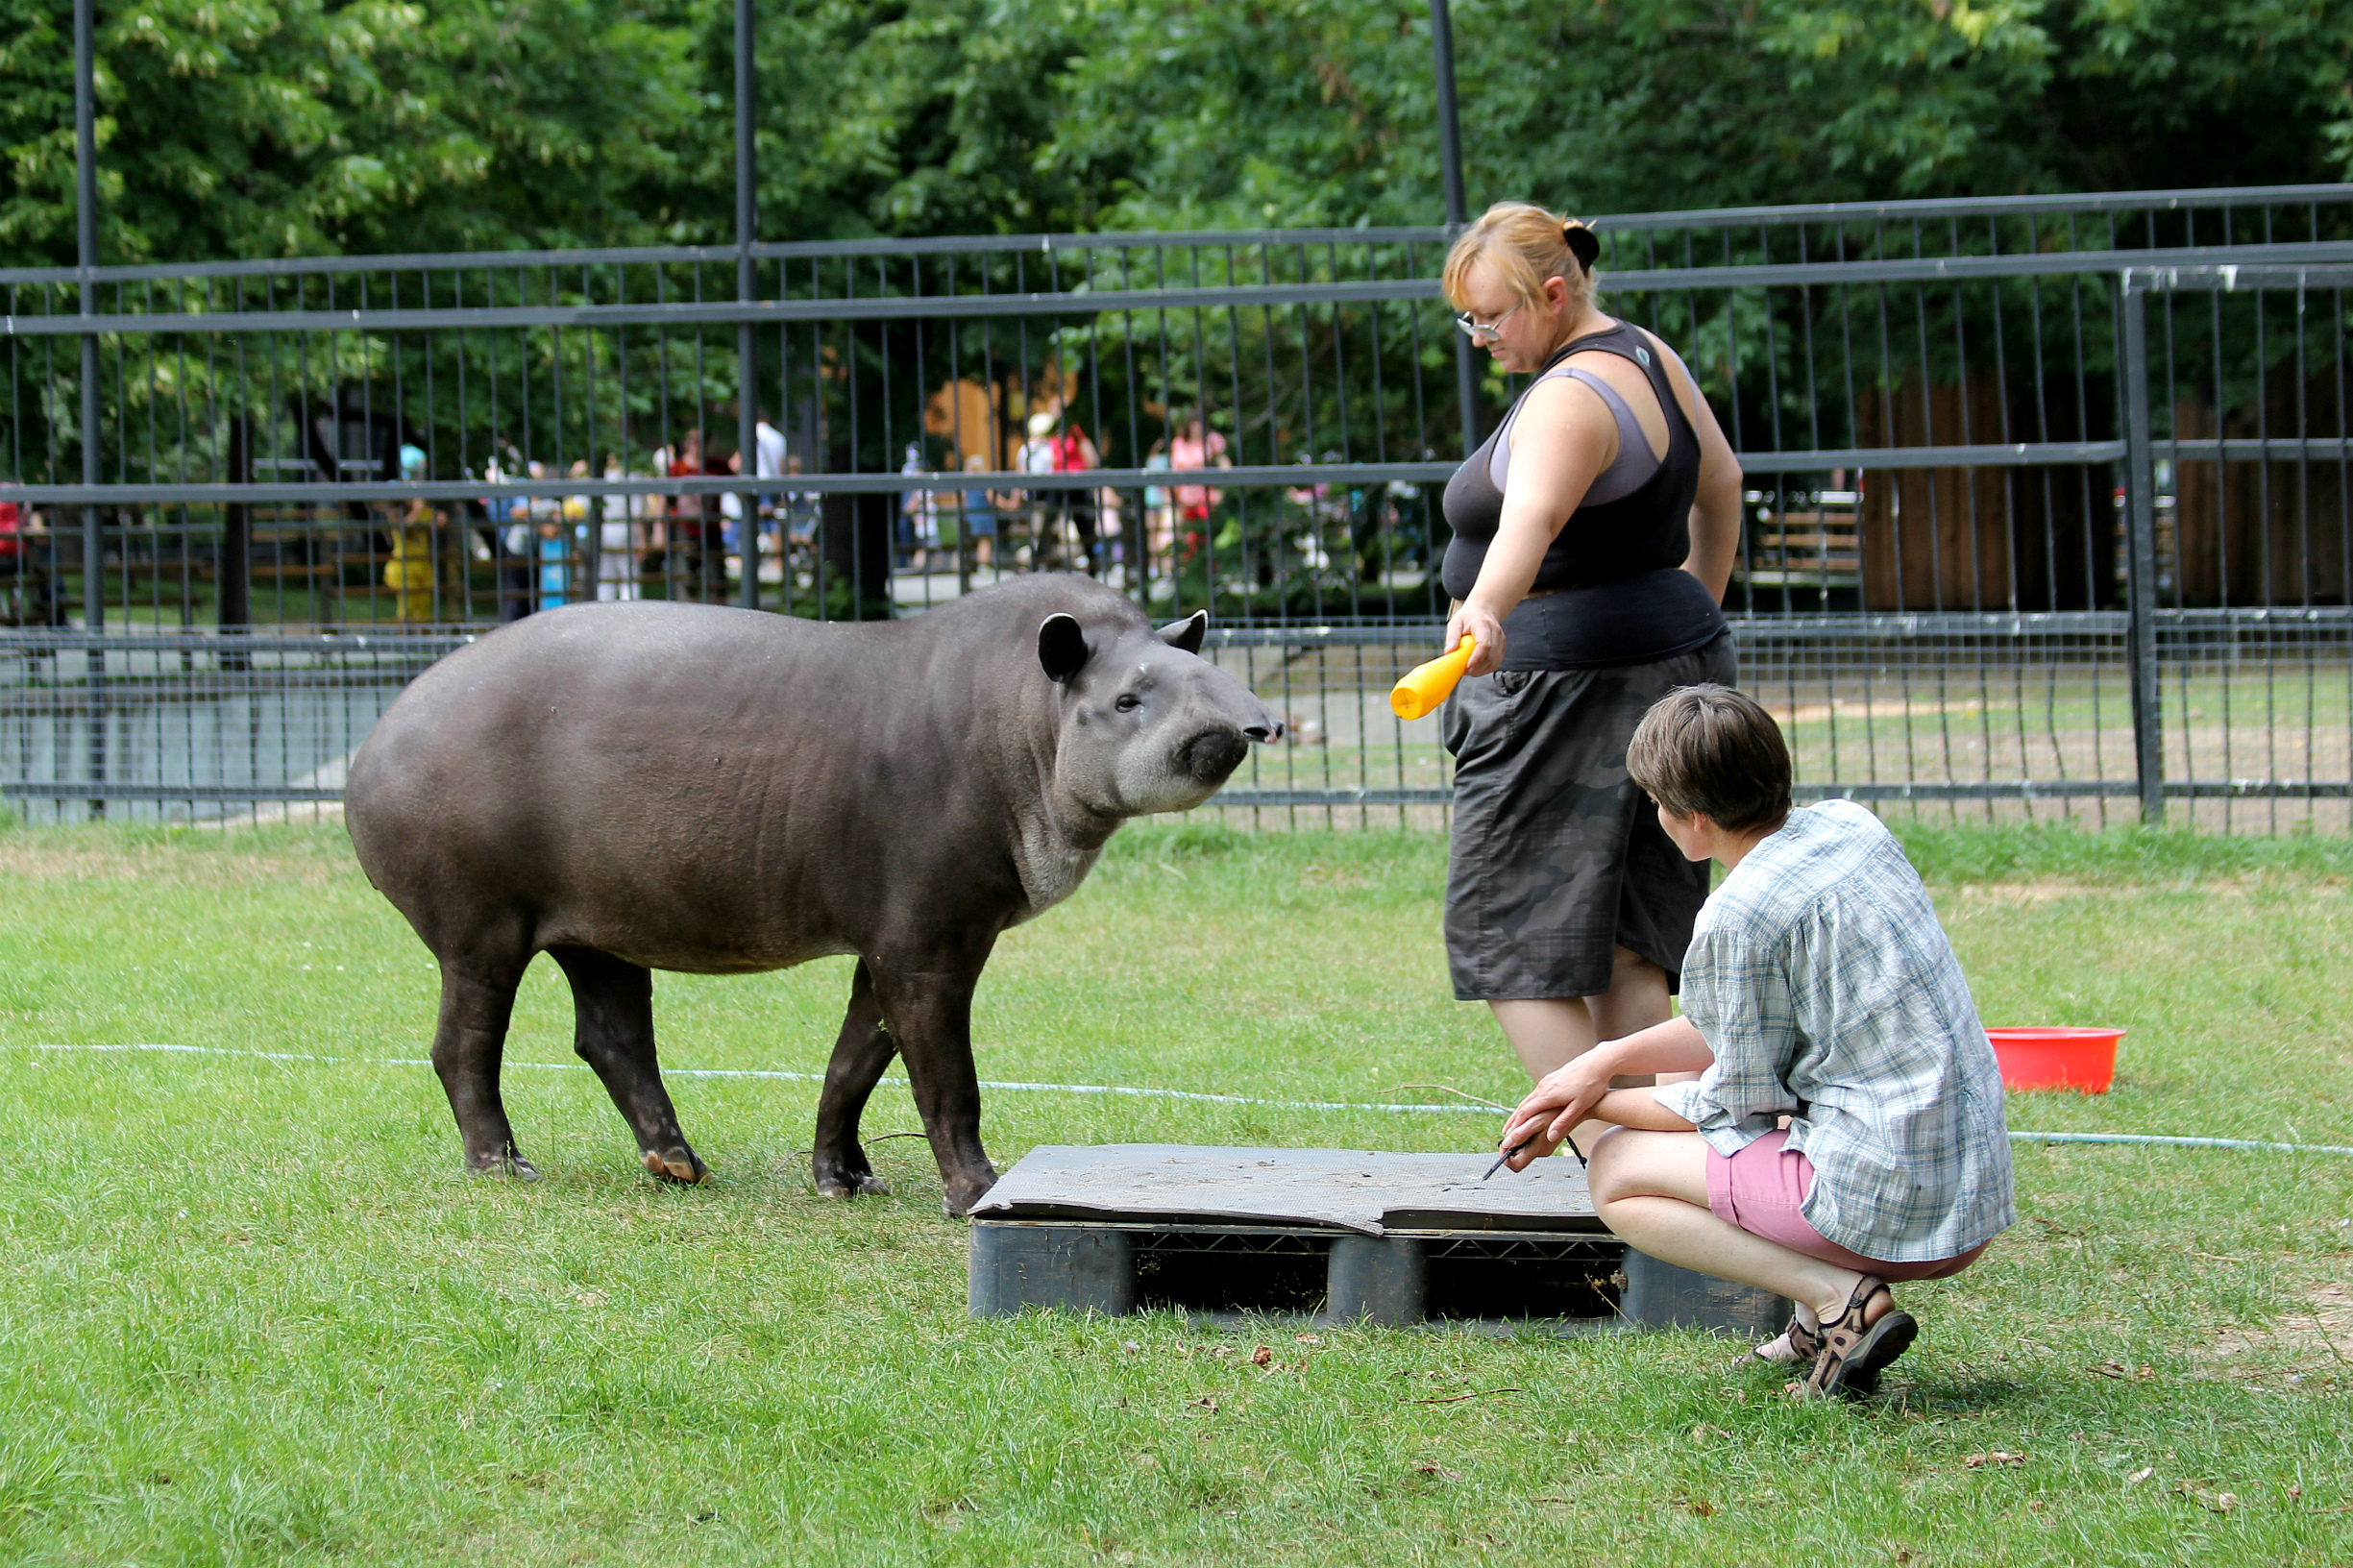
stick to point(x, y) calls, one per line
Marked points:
point(1611, 105)
point(298, 127)
point(295, 126)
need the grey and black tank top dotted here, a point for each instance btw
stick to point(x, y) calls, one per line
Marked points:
point(1612, 588)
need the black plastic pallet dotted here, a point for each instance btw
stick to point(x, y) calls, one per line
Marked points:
point(1342, 1236)
point(1567, 1281)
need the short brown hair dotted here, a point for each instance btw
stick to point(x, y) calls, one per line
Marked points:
point(1709, 750)
point(1528, 244)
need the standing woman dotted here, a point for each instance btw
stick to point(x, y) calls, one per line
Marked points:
point(1593, 535)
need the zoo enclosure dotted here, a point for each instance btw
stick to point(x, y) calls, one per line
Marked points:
point(2047, 505)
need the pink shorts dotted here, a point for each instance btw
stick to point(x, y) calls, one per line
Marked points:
point(1762, 1189)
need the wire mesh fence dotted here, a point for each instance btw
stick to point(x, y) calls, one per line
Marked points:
point(2047, 509)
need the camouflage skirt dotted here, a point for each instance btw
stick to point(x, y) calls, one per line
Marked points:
point(1557, 859)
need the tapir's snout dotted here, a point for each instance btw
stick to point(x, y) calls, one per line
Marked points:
point(1212, 757)
point(1212, 753)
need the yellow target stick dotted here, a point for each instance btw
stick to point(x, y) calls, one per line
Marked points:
point(1425, 685)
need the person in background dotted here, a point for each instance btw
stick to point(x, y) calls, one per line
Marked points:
point(579, 516)
point(555, 557)
point(769, 454)
point(1038, 455)
point(687, 523)
point(616, 541)
point(731, 510)
point(510, 537)
point(1075, 452)
point(1158, 505)
point(1194, 446)
point(1593, 536)
point(978, 524)
point(919, 532)
point(413, 569)
point(800, 509)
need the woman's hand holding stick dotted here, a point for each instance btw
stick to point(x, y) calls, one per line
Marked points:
point(1579, 1090)
point(1552, 1109)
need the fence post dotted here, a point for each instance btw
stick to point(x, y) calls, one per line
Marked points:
point(1458, 204)
point(85, 224)
point(747, 347)
point(2141, 551)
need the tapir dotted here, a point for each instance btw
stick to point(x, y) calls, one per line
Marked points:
point(632, 787)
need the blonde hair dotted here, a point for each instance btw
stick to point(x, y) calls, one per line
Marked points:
point(1528, 244)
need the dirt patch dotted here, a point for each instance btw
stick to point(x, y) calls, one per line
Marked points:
point(2316, 1335)
point(277, 814)
point(2024, 894)
point(176, 868)
point(2051, 890)
point(1916, 707)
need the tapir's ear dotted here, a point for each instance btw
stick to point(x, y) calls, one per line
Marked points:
point(1061, 646)
point(1186, 633)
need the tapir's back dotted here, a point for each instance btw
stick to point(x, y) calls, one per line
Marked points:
point(648, 779)
point(705, 788)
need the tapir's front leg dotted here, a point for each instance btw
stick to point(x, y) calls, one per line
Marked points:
point(860, 1054)
point(929, 1014)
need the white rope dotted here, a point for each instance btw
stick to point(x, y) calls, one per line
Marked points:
point(2164, 1139)
point(810, 1078)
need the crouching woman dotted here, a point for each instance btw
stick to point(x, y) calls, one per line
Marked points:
point(1846, 1131)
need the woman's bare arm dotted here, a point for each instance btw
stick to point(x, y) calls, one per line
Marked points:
point(1563, 438)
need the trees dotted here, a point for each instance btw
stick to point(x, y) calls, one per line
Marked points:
point(1309, 110)
point(261, 128)
point(293, 126)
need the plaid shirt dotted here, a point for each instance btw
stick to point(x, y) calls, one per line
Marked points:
point(1826, 990)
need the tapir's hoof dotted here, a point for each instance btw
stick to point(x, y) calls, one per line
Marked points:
point(852, 1184)
point(675, 1164)
point(964, 1193)
point(508, 1164)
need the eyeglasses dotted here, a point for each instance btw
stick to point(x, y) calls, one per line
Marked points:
point(1478, 331)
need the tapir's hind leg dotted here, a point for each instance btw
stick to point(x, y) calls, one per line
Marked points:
point(612, 1005)
point(863, 1050)
point(468, 1041)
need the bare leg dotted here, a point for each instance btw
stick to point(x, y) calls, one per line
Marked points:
point(861, 1052)
point(1651, 1189)
point(1548, 1032)
point(612, 1005)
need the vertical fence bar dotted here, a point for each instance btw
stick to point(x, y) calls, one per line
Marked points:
point(2140, 547)
point(746, 349)
point(85, 224)
point(1457, 201)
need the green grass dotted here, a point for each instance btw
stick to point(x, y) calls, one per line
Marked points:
point(253, 1312)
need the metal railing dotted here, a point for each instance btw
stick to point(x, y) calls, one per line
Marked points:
point(2080, 460)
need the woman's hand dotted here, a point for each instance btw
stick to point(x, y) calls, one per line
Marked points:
point(1476, 621)
point(1564, 1097)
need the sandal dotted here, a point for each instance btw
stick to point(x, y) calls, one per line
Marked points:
point(1852, 1355)
point(1796, 1346)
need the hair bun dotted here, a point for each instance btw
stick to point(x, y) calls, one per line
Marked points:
point(1582, 243)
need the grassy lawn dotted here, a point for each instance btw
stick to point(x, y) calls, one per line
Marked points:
point(254, 1312)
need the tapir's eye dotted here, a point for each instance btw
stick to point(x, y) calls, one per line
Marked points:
point(1128, 703)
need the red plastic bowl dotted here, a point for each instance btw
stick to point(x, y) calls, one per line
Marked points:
point(2083, 1060)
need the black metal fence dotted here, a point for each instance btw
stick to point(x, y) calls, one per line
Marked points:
point(2047, 494)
